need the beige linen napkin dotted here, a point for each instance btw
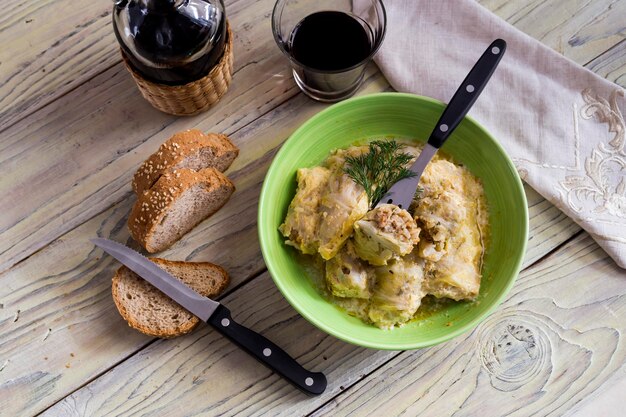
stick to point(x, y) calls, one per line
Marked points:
point(562, 125)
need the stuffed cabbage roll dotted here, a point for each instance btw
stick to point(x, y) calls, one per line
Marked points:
point(300, 225)
point(452, 237)
point(384, 233)
point(343, 203)
point(347, 275)
point(397, 293)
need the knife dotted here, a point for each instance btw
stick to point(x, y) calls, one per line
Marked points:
point(402, 192)
point(218, 316)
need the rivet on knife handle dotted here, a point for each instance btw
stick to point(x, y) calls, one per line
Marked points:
point(268, 353)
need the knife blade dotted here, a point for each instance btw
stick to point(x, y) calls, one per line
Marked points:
point(403, 191)
point(218, 316)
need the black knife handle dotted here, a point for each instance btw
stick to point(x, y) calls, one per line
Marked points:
point(467, 93)
point(267, 352)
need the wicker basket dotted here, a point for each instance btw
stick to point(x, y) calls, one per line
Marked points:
point(194, 97)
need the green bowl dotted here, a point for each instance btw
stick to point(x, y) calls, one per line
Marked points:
point(401, 116)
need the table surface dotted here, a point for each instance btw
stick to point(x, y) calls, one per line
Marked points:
point(73, 128)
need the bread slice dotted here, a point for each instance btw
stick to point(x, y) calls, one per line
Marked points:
point(189, 149)
point(148, 310)
point(175, 204)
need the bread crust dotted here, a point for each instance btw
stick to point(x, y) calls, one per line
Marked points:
point(153, 204)
point(180, 146)
point(138, 324)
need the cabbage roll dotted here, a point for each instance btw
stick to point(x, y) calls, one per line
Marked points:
point(300, 225)
point(452, 239)
point(384, 233)
point(343, 203)
point(397, 293)
point(347, 275)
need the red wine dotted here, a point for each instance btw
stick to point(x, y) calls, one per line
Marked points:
point(330, 41)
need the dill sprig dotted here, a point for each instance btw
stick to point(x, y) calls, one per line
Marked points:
point(380, 168)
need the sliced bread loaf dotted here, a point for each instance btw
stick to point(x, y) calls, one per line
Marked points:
point(148, 310)
point(176, 203)
point(189, 149)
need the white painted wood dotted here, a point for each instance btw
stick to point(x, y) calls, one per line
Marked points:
point(608, 402)
point(611, 64)
point(78, 133)
point(572, 27)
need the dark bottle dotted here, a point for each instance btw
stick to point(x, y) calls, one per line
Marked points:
point(171, 41)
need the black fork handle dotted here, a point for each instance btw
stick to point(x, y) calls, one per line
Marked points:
point(467, 93)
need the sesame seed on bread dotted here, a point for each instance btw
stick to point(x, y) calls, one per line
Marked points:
point(148, 310)
point(191, 149)
point(176, 203)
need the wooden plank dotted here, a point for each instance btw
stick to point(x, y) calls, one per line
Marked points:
point(50, 48)
point(53, 47)
point(606, 402)
point(578, 29)
point(74, 159)
point(554, 342)
point(69, 286)
point(549, 227)
point(612, 64)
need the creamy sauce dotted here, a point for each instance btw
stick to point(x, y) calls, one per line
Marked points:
point(314, 270)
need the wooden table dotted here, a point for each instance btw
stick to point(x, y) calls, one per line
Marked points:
point(73, 129)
